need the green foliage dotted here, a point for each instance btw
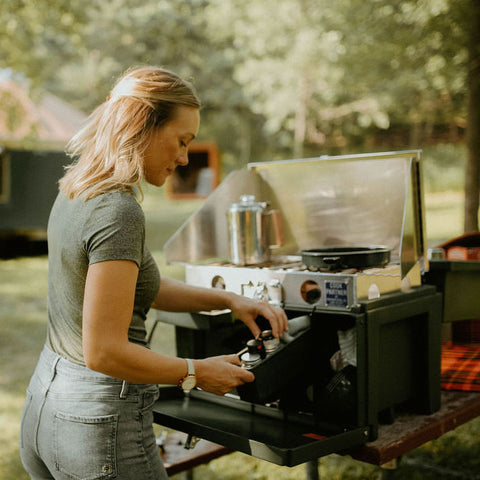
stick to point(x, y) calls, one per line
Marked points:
point(275, 76)
point(444, 167)
point(15, 112)
point(39, 36)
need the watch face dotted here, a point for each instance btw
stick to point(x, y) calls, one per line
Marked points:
point(189, 383)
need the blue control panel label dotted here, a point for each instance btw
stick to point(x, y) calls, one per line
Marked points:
point(336, 294)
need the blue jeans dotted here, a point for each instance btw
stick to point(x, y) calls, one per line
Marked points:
point(81, 424)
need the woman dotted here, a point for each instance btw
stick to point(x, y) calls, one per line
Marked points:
point(88, 412)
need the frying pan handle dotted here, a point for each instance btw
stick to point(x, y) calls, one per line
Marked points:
point(331, 260)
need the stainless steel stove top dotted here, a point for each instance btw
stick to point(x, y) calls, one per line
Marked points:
point(289, 284)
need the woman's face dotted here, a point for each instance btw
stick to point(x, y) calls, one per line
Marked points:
point(168, 146)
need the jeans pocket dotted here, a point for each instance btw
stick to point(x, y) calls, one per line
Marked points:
point(148, 398)
point(85, 446)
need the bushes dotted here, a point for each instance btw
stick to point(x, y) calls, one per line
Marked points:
point(444, 167)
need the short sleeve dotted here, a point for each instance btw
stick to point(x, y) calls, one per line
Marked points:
point(115, 230)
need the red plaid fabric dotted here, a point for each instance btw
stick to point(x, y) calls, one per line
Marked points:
point(461, 368)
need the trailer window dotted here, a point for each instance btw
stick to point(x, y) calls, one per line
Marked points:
point(4, 177)
point(200, 177)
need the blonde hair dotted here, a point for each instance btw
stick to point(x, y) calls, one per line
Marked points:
point(108, 150)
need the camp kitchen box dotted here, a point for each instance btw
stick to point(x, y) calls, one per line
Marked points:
point(382, 320)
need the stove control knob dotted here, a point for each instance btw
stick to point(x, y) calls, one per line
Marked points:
point(310, 292)
point(218, 282)
point(254, 354)
point(275, 292)
point(269, 341)
point(256, 347)
point(261, 292)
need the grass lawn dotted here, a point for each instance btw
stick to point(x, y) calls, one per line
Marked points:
point(444, 216)
point(23, 289)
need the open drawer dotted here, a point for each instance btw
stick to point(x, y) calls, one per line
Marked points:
point(263, 432)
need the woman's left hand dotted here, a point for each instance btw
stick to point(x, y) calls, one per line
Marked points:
point(247, 310)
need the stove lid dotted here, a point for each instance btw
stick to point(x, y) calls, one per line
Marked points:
point(350, 200)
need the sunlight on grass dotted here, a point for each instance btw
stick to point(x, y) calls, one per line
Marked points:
point(444, 216)
point(10, 409)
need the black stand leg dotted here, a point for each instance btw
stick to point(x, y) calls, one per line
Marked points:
point(311, 468)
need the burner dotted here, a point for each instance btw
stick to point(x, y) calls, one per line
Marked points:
point(346, 271)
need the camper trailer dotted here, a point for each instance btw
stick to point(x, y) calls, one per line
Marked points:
point(28, 187)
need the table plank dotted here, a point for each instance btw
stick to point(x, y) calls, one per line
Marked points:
point(410, 431)
point(176, 458)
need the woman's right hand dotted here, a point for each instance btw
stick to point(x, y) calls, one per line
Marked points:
point(220, 375)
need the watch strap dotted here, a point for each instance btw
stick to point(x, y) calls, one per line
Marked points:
point(190, 367)
point(190, 375)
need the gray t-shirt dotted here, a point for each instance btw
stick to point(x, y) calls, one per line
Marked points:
point(110, 226)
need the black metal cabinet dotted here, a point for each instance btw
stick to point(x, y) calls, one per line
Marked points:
point(459, 281)
point(397, 368)
point(404, 353)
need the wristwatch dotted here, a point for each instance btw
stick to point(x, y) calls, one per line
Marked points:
point(189, 380)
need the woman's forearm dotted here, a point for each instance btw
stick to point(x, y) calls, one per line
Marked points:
point(175, 296)
point(137, 364)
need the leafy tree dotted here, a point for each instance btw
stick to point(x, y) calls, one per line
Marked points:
point(285, 59)
point(282, 76)
point(325, 73)
point(77, 49)
point(39, 35)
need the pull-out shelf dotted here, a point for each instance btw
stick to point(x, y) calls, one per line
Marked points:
point(262, 432)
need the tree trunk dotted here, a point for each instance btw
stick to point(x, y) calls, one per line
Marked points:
point(300, 129)
point(301, 118)
point(472, 176)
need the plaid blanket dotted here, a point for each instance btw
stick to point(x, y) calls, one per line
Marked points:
point(461, 368)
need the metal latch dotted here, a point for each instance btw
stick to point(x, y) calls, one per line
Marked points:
point(190, 442)
point(161, 440)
